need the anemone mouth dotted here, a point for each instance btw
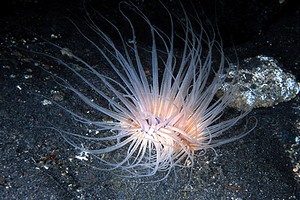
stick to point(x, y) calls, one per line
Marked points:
point(157, 123)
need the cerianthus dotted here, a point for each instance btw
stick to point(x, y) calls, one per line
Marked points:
point(161, 118)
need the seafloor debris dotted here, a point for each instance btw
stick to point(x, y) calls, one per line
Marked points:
point(262, 83)
point(294, 154)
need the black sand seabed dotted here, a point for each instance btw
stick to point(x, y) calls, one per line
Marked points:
point(38, 164)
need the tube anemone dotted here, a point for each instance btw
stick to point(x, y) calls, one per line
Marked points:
point(159, 119)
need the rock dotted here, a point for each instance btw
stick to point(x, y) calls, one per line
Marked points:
point(261, 83)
